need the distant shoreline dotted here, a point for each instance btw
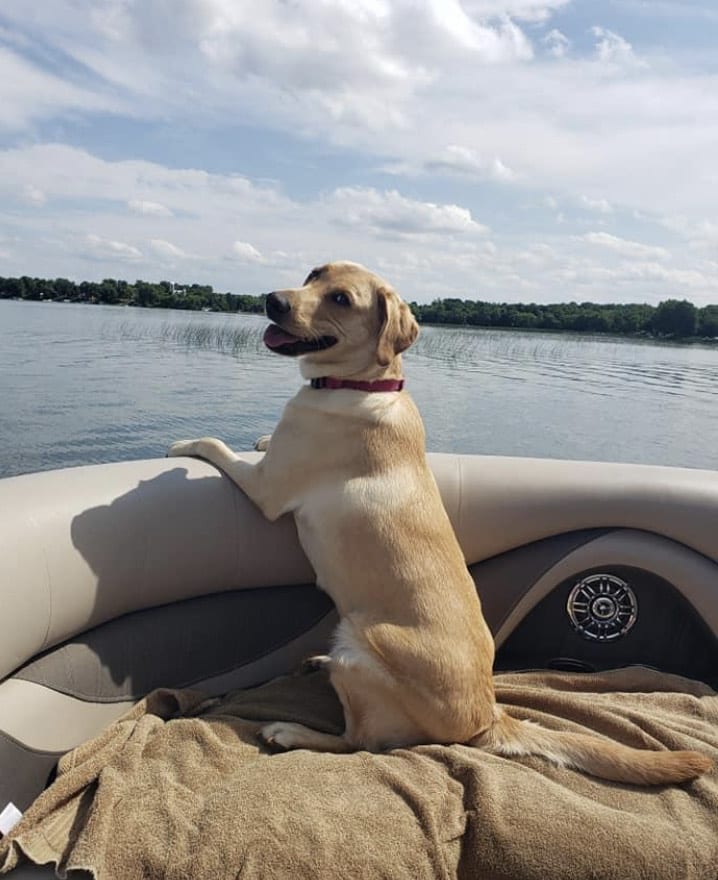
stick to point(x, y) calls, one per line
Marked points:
point(671, 320)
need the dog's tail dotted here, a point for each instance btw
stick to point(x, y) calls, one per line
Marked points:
point(597, 757)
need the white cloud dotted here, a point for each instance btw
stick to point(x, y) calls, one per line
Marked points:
point(493, 44)
point(247, 252)
point(166, 249)
point(105, 248)
point(499, 171)
point(522, 10)
point(601, 206)
point(151, 209)
point(613, 49)
point(625, 247)
point(690, 278)
point(346, 223)
point(391, 212)
point(557, 44)
point(700, 235)
point(704, 236)
point(28, 94)
point(33, 196)
point(451, 95)
point(358, 62)
point(61, 171)
point(457, 159)
point(371, 74)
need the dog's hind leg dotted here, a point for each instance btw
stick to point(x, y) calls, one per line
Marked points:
point(315, 663)
point(289, 735)
point(373, 719)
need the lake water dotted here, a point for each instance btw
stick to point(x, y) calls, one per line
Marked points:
point(84, 384)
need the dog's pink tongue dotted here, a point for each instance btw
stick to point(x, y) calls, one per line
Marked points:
point(274, 337)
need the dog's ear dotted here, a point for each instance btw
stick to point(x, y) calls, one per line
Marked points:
point(398, 327)
point(313, 275)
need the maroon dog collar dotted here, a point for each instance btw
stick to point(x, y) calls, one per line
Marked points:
point(377, 385)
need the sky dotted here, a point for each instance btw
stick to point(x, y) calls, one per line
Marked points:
point(504, 150)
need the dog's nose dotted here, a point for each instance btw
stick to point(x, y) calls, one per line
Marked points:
point(276, 305)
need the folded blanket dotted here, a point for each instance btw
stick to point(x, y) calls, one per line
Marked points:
point(181, 788)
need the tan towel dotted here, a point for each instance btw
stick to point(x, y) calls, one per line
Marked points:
point(177, 790)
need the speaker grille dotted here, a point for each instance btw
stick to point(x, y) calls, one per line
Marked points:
point(602, 607)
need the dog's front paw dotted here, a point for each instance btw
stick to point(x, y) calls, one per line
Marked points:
point(262, 444)
point(182, 447)
point(282, 735)
point(207, 448)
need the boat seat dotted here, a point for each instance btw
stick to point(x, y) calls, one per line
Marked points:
point(118, 579)
point(213, 643)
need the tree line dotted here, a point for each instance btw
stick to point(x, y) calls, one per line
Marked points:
point(147, 294)
point(672, 318)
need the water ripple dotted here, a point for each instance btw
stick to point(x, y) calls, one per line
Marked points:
point(81, 384)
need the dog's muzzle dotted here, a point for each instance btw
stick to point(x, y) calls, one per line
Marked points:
point(283, 341)
point(276, 306)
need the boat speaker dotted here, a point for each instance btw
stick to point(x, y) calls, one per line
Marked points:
point(602, 607)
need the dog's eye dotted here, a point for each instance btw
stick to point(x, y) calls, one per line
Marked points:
point(340, 298)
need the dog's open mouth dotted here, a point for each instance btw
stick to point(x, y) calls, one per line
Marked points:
point(282, 342)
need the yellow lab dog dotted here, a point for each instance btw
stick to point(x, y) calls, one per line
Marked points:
point(412, 656)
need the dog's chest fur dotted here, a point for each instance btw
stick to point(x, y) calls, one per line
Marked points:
point(337, 466)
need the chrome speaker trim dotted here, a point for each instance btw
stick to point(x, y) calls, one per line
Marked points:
point(602, 607)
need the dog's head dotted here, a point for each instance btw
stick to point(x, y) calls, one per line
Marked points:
point(343, 321)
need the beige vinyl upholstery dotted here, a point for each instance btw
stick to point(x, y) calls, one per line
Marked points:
point(82, 546)
point(26, 705)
